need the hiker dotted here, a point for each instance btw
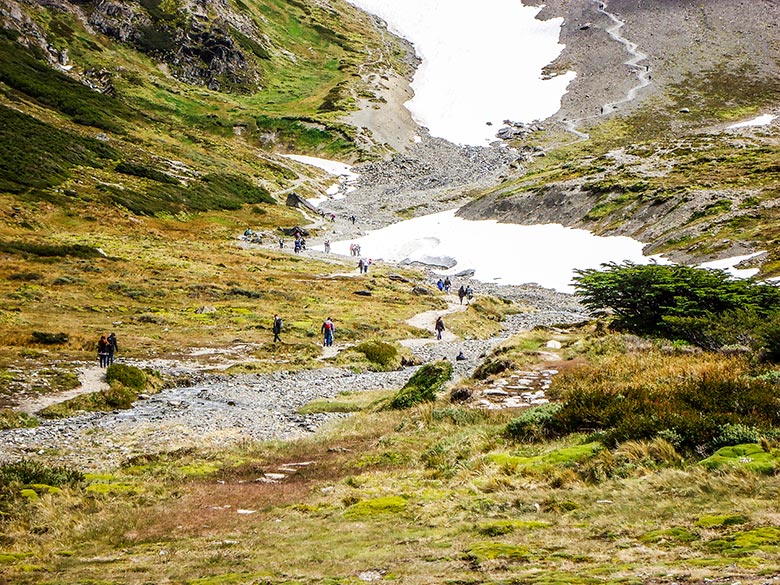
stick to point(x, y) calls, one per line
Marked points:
point(460, 357)
point(440, 285)
point(281, 243)
point(361, 265)
point(439, 326)
point(113, 347)
point(461, 293)
point(103, 351)
point(469, 293)
point(277, 328)
point(327, 246)
point(248, 234)
point(447, 284)
point(332, 217)
point(352, 219)
point(327, 329)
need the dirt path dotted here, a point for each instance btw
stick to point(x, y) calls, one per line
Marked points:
point(636, 56)
point(427, 320)
point(92, 379)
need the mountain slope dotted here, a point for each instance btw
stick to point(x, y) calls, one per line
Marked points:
point(662, 166)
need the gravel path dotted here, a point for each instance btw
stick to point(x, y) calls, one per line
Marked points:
point(217, 409)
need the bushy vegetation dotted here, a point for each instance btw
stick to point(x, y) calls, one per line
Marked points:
point(697, 405)
point(423, 385)
point(704, 307)
point(21, 71)
point(130, 168)
point(129, 376)
point(35, 155)
point(27, 471)
point(213, 191)
point(11, 419)
point(384, 355)
point(32, 249)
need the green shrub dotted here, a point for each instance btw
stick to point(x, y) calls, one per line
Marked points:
point(28, 472)
point(28, 249)
point(491, 367)
point(49, 338)
point(128, 376)
point(20, 70)
point(534, 424)
point(697, 412)
point(379, 352)
point(675, 301)
point(423, 385)
point(45, 156)
point(11, 419)
point(129, 168)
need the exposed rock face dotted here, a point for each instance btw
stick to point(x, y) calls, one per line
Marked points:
point(198, 48)
point(197, 42)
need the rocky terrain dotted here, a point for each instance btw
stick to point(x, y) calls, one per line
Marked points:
point(218, 409)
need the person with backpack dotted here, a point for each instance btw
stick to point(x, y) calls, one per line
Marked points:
point(277, 328)
point(328, 328)
point(461, 293)
point(103, 351)
point(113, 347)
point(439, 327)
point(469, 293)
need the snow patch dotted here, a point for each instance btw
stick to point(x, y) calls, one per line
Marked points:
point(512, 254)
point(763, 120)
point(464, 90)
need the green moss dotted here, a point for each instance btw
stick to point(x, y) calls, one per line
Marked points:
point(29, 494)
point(501, 527)
point(766, 539)
point(669, 536)
point(546, 461)
point(747, 456)
point(10, 558)
point(718, 521)
point(485, 551)
point(113, 489)
point(42, 488)
point(201, 469)
point(376, 506)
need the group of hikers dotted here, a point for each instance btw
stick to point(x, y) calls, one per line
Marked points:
point(107, 347)
point(327, 329)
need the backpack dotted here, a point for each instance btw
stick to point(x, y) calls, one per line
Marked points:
point(328, 326)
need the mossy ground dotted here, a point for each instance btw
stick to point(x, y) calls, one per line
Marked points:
point(432, 492)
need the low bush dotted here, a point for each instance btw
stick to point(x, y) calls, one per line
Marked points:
point(696, 405)
point(491, 367)
point(128, 376)
point(534, 424)
point(380, 353)
point(11, 419)
point(28, 472)
point(423, 385)
point(45, 338)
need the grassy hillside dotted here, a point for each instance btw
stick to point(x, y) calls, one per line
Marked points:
point(436, 493)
